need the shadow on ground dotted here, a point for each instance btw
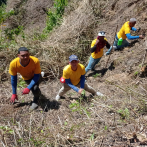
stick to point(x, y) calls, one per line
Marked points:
point(133, 43)
point(103, 71)
point(44, 103)
point(21, 104)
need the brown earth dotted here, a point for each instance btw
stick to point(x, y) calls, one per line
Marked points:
point(119, 119)
point(30, 13)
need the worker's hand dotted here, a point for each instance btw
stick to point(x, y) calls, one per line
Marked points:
point(14, 96)
point(80, 91)
point(138, 29)
point(26, 91)
point(97, 41)
point(141, 36)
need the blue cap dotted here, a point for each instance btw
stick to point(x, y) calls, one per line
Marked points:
point(73, 57)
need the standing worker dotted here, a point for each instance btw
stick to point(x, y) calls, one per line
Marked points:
point(29, 67)
point(123, 34)
point(74, 75)
point(97, 47)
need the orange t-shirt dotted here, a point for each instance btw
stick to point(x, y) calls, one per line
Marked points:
point(74, 76)
point(28, 71)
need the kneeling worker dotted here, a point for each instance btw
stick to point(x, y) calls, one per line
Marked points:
point(124, 34)
point(29, 67)
point(74, 75)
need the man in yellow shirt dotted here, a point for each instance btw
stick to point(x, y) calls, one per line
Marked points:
point(125, 33)
point(29, 68)
point(97, 47)
point(74, 75)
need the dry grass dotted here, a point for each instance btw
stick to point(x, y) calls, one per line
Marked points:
point(118, 119)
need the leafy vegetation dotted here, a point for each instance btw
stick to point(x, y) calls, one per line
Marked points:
point(3, 14)
point(77, 106)
point(53, 17)
point(136, 73)
point(6, 129)
point(124, 113)
point(97, 75)
point(36, 142)
point(7, 34)
point(21, 83)
point(11, 33)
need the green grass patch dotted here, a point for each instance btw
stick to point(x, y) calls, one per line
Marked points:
point(54, 17)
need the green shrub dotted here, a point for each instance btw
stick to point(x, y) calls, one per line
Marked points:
point(54, 17)
point(3, 14)
point(59, 5)
point(11, 33)
point(51, 21)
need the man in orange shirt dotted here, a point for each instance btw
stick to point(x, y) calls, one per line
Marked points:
point(125, 33)
point(29, 68)
point(74, 75)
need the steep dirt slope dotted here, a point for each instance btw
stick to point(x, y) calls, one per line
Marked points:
point(118, 119)
point(29, 13)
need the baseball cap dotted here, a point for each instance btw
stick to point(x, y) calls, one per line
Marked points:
point(73, 57)
point(102, 33)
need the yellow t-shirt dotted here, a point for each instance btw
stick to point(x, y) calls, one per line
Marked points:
point(28, 71)
point(98, 54)
point(124, 30)
point(74, 76)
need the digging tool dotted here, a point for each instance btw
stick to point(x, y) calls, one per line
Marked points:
point(143, 58)
point(141, 68)
point(112, 47)
point(144, 53)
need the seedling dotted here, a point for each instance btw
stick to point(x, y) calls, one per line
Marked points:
point(77, 106)
point(136, 73)
point(105, 128)
point(65, 123)
point(124, 113)
point(36, 142)
point(97, 75)
point(92, 137)
point(21, 83)
point(6, 129)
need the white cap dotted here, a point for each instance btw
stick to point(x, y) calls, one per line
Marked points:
point(133, 20)
point(102, 33)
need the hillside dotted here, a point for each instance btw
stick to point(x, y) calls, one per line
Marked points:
point(119, 119)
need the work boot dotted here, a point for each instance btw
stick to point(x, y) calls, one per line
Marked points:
point(115, 47)
point(33, 106)
point(99, 94)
